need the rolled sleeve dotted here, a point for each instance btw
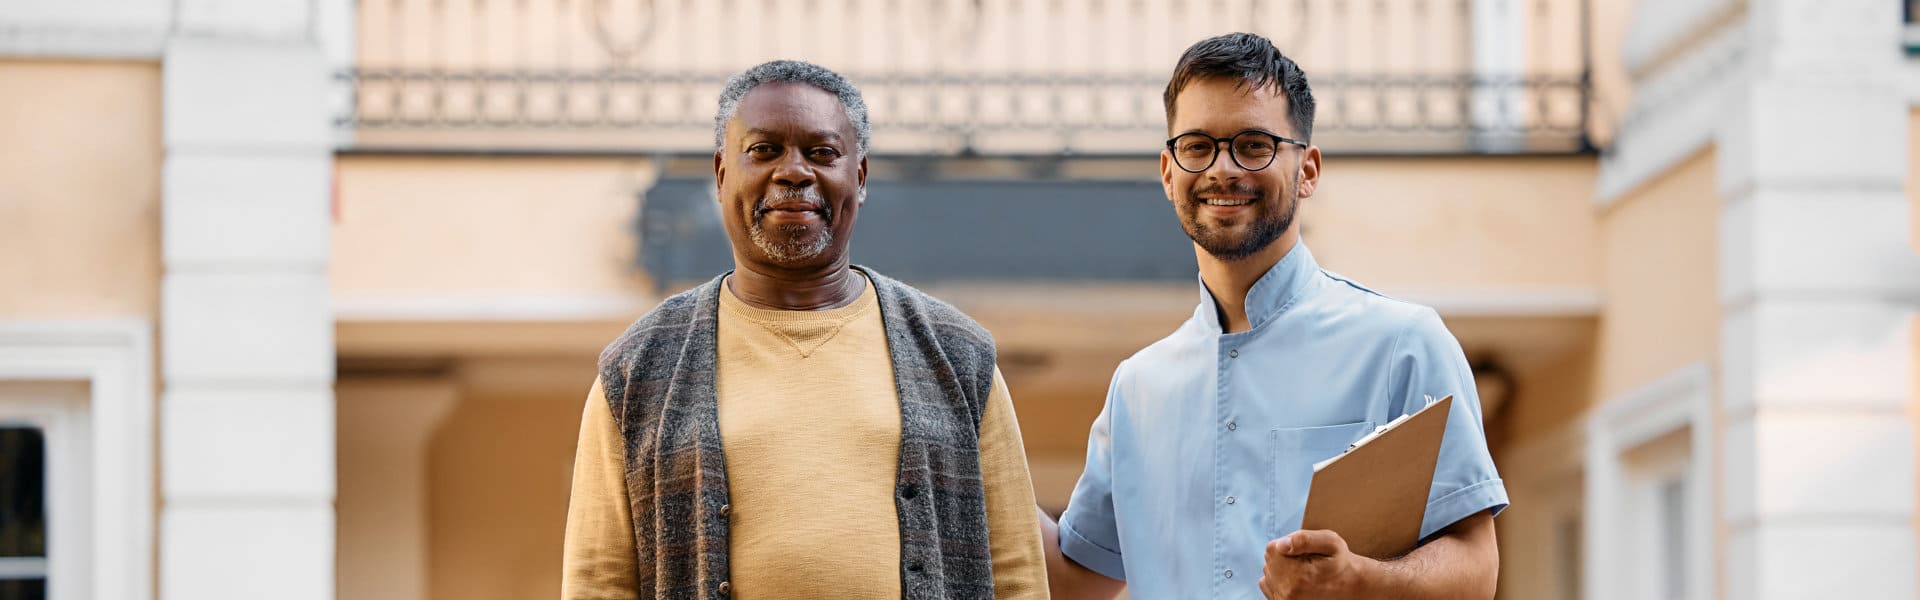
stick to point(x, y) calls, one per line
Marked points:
point(1432, 366)
point(1463, 503)
point(1089, 533)
point(1090, 554)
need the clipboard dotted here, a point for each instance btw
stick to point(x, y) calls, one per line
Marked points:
point(1375, 494)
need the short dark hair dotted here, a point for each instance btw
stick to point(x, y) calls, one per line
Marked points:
point(1256, 64)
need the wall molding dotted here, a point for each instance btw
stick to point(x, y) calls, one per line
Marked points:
point(1675, 113)
point(1663, 31)
point(115, 358)
point(485, 307)
point(139, 42)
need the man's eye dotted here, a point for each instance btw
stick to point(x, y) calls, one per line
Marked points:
point(825, 153)
point(763, 149)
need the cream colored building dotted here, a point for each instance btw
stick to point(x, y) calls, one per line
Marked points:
point(301, 298)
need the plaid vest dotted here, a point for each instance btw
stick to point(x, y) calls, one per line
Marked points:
point(659, 383)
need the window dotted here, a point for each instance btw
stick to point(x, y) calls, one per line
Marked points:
point(23, 513)
point(44, 509)
point(80, 393)
point(1649, 456)
point(1660, 516)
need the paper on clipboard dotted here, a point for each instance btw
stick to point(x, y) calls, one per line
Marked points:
point(1375, 494)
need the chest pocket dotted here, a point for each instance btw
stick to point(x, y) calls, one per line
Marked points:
point(1292, 453)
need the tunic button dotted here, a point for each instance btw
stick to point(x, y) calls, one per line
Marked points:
point(1229, 499)
point(1232, 426)
point(1229, 573)
point(1233, 354)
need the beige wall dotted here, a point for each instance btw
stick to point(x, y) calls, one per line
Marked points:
point(501, 467)
point(1913, 163)
point(1658, 264)
point(385, 426)
point(1913, 237)
point(450, 226)
point(1457, 223)
point(79, 189)
point(1661, 272)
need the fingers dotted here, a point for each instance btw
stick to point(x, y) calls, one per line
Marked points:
point(1279, 548)
point(1307, 543)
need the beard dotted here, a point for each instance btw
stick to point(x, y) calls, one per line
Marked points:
point(791, 242)
point(1267, 224)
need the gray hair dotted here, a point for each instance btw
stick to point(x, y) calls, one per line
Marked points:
point(791, 71)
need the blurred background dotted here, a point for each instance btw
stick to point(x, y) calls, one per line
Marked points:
point(302, 298)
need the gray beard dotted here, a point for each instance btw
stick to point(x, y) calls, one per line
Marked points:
point(795, 246)
point(797, 243)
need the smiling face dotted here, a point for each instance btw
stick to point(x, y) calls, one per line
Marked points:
point(1229, 211)
point(791, 178)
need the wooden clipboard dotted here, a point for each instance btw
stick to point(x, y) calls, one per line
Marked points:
point(1375, 494)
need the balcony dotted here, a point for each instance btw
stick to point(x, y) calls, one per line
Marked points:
point(947, 78)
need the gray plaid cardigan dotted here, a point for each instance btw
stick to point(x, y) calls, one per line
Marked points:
point(659, 383)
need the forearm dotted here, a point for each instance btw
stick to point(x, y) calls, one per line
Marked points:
point(1463, 563)
point(1067, 580)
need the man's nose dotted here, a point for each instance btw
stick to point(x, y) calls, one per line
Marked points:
point(793, 171)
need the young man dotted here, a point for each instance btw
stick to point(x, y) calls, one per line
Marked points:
point(870, 445)
point(1198, 466)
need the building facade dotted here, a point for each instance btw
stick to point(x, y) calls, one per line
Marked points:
point(301, 298)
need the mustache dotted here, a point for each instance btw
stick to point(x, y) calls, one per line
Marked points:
point(809, 195)
point(1228, 190)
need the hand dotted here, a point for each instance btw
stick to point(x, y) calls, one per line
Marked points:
point(1311, 565)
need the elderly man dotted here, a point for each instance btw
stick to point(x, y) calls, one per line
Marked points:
point(1198, 466)
point(870, 445)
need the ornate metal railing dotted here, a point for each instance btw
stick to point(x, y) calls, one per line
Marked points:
point(974, 77)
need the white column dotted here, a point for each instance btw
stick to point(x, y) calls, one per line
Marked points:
point(385, 430)
point(1819, 288)
point(247, 413)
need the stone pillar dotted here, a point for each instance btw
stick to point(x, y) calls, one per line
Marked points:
point(247, 412)
point(1818, 285)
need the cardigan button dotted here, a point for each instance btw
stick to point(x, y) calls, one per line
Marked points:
point(726, 509)
point(910, 492)
point(726, 588)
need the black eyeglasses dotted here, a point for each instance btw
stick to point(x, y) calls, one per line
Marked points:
point(1252, 150)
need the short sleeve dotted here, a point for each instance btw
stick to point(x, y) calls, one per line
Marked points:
point(1089, 535)
point(1429, 365)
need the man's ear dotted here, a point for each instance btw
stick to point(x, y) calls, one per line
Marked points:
point(863, 179)
point(1309, 172)
point(1166, 174)
point(719, 173)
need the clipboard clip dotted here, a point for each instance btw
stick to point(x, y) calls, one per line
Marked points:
point(1377, 431)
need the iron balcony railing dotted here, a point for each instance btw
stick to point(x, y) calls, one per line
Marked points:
point(979, 77)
